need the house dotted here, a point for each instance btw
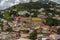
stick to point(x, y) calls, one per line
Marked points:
point(54, 36)
point(23, 12)
point(2, 11)
point(41, 16)
point(58, 7)
point(51, 8)
point(16, 18)
point(24, 35)
point(58, 27)
point(5, 27)
point(56, 17)
point(36, 19)
point(23, 39)
point(16, 28)
point(22, 19)
point(46, 38)
point(45, 30)
point(58, 37)
point(41, 24)
point(53, 28)
point(42, 37)
point(42, 9)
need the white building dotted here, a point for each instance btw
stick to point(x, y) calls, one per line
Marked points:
point(23, 39)
point(23, 12)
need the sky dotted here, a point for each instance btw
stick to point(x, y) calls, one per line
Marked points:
point(8, 3)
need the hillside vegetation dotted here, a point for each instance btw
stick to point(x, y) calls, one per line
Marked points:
point(36, 6)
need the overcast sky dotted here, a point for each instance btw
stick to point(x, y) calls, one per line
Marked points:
point(8, 3)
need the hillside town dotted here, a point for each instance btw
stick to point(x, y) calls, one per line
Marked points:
point(32, 23)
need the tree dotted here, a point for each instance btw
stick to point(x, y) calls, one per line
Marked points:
point(14, 13)
point(52, 22)
point(58, 31)
point(1, 15)
point(1, 25)
point(9, 29)
point(27, 15)
point(6, 15)
point(33, 35)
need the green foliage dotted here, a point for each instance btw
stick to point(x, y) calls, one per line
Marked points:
point(58, 31)
point(6, 15)
point(33, 35)
point(32, 5)
point(9, 29)
point(1, 26)
point(52, 22)
point(36, 5)
point(27, 15)
point(1, 15)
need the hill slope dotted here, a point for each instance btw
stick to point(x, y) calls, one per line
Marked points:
point(33, 5)
point(36, 6)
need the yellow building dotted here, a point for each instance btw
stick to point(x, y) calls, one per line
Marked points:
point(36, 19)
